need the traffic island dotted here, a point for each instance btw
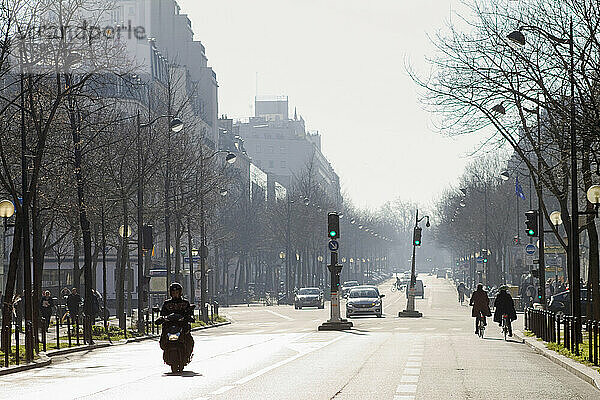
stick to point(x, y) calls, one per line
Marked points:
point(336, 325)
point(410, 314)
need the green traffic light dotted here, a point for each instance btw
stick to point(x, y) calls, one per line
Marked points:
point(485, 260)
point(332, 233)
point(417, 242)
point(531, 232)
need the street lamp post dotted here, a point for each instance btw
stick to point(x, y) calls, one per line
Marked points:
point(175, 125)
point(410, 311)
point(230, 158)
point(575, 273)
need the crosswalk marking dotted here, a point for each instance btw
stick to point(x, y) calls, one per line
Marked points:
point(406, 388)
point(412, 371)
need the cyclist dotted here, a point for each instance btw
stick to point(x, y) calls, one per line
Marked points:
point(481, 306)
point(398, 283)
point(504, 305)
point(461, 292)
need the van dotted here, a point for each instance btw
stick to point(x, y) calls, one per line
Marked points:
point(419, 289)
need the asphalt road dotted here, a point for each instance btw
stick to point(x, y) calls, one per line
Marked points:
point(277, 353)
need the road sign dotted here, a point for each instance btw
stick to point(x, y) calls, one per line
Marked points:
point(530, 249)
point(479, 260)
point(334, 245)
point(183, 249)
point(529, 259)
point(194, 259)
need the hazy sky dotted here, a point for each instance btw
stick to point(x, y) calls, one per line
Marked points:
point(342, 64)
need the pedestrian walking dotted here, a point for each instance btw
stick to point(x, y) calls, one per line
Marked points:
point(73, 304)
point(18, 309)
point(46, 306)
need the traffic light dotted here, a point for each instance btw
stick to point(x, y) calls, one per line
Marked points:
point(417, 236)
point(516, 241)
point(333, 224)
point(532, 223)
point(147, 237)
point(540, 293)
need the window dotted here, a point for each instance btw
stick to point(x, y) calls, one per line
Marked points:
point(271, 164)
point(283, 164)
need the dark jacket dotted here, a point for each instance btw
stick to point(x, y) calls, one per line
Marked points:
point(178, 306)
point(46, 305)
point(504, 304)
point(73, 301)
point(481, 303)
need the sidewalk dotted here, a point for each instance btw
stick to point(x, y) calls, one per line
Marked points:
point(45, 358)
point(584, 372)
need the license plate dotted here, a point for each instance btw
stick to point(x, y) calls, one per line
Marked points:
point(173, 336)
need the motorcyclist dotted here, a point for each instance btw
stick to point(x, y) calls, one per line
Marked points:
point(461, 292)
point(178, 305)
point(504, 304)
point(481, 305)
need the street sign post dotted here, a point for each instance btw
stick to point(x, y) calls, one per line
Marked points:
point(334, 245)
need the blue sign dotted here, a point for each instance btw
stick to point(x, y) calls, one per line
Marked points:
point(194, 259)
point(334, 245)
point(530, 249)
point(479, 260)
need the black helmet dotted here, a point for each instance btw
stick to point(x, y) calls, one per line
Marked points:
point(175, 286)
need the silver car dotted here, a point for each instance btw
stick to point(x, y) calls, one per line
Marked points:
point(364, 300)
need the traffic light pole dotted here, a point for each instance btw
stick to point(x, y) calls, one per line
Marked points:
point(410, 311)
point(335, 323)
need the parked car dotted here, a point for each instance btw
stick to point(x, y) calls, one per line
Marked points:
point(347, 286)
point(364, 300)
point(419, 289)
point(560, 303)
point(309, 297)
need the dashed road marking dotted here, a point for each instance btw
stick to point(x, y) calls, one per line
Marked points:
point(396, 397)
point(401, 329)
point(410, 379)
point(280, 315)
point(430, 329)
point(412, 371)
point(406, 389)
point(283, 362)
point(413, 364)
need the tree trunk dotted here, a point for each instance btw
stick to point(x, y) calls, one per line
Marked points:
point(38, 268)
point(9, 289)
point(76, 271)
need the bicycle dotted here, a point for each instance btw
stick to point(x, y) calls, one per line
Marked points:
point(394, 287)
point(505, 325)
point(480, 325)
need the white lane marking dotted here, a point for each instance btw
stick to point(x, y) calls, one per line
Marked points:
point(413, 364)
point(376, 328)
point(410, 379)
point(280, 315)
point(396, 397)
point(316, 320)
point(283, 362)
point(414, 358)
point(406, 389)
point(222, 390)
point(412, 371)
point(430, 329)
point(402, 329)
point(456, 329)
